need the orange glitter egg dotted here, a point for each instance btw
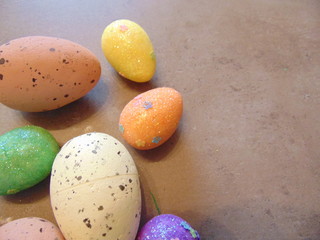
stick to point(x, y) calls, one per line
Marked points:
point(151, 118)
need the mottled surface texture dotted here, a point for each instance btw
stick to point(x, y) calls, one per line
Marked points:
point(244, 163)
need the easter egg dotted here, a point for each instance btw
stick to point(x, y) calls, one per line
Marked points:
point(95, 189)
point(30, 228)
point(26, 158)
point(151, 118)
point(40, 73)
point(129, 50)
point(167, 227)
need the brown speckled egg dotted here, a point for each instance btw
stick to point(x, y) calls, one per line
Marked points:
point(151, 118)
point(30, 228)
point(40, 73)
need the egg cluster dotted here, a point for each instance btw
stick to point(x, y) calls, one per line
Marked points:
point(94, 186)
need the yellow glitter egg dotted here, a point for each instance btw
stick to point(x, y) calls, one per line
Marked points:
point(129, 50)
point(151, 118)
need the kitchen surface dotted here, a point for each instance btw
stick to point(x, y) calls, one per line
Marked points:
point(244, 162)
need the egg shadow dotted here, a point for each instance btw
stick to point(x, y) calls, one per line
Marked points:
point(148, 207)
point(71, 113)
point(32, 194)
point(209, 228)
point(139, 87)
point(144, 211)
point(159, 153)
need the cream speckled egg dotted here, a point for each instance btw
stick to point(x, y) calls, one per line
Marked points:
point(40, 73)
point(30, 228)
point(95, 189)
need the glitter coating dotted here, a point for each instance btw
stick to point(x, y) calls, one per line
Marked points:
point(147, 105)
point(26, 157)
point(151, 118)
point(129, 50)
point(167, 227)
point(121, 128)
point(156, 139)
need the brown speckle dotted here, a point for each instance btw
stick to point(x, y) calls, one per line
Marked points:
point(79, 178)
point(92, 81)
point(1, 77)
point(2, 61)
point(67, 95)
point(65, 61)
point(54, 99)
point(52, 49)
point(87, 222)
point(34, 79)
point(40, 230)
point(100, 208)
point(121, 187)
point(104, 234)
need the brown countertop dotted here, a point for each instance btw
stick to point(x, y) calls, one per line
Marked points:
point(245, 160)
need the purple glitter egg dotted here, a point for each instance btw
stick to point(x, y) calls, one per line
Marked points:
point(167, 227)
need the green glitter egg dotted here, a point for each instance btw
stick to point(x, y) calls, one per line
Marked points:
point(26, 157)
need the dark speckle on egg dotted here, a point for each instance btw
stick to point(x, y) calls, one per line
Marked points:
point(78, 178)
point(100, 208)
point(121, 187)
point(87, 222)
point(40, 230)
point(34, 79)
point(66, 95)
point(52, 49)
point(1, 76)
point(2, 61)
point(92, 81)
point(65, 61)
